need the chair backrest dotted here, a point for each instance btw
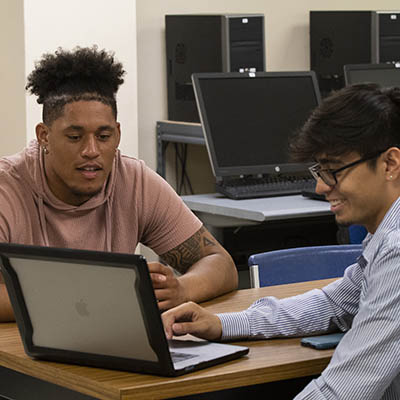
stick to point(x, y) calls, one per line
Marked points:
point(301, 264)
point(357, 234)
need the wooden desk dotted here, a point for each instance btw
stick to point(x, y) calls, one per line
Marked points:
point(268, 360)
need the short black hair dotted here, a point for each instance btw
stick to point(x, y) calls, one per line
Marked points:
point(362, 118)
point(81, 74)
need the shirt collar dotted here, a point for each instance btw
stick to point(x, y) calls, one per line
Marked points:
point(390, 221)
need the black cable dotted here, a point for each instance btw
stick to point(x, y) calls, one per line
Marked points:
point(176, 168)
point(186, 176)
point(182, 158)
point(182, 179)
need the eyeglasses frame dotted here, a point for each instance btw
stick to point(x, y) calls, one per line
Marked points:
point(316, 173)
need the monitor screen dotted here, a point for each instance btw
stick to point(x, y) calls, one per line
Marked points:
point(247, 118)
point(385, 75)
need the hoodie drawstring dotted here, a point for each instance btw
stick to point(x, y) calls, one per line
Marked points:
point(42, 219)
point(108, 225)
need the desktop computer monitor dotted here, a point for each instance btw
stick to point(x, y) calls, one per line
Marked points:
point(383, 74)
point(247, 119)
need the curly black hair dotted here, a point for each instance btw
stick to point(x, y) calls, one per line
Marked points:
point(81, 74)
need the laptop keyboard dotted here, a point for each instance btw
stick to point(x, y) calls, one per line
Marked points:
point(181, 356)
point(247, 188)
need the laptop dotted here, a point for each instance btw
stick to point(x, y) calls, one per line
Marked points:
point(247, 120)
point(98, 309)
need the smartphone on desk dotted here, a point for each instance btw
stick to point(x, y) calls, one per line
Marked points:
point(323, 342)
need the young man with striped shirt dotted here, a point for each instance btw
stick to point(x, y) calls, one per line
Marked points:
point(354, 139)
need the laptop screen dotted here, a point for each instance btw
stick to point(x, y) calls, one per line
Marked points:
point(247, 118)
point(385, 75)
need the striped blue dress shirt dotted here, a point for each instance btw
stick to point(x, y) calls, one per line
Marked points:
point(365, 303)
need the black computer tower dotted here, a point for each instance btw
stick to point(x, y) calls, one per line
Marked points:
point(208, 43)
point(351, 37)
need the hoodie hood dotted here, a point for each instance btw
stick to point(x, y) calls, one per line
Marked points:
point(31, 171)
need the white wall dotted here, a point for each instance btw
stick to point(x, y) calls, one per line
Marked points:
point(111, 25)
point(12, 75)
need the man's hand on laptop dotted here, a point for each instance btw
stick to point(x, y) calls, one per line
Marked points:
point(169, 291)
point(193, 319)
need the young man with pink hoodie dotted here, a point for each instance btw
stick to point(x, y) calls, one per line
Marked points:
point(73, 188)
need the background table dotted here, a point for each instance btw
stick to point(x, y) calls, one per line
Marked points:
point(246, 227)
point(214, 208)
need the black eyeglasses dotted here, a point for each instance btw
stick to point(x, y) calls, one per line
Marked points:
point(329, 175)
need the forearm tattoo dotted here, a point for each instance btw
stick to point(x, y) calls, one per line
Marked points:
point(189, 252)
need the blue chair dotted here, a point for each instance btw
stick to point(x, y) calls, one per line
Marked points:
point(353, 234)
point(301, 264)
point(357, 234)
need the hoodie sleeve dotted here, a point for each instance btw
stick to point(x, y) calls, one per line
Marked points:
point(8, 210)
point(167, 221)
point(19, 221)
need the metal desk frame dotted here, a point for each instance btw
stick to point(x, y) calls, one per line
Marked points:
point(176, 132)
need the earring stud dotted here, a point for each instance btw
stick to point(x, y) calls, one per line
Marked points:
point(45, 150)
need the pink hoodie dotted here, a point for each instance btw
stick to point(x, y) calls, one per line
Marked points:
point(135, 205)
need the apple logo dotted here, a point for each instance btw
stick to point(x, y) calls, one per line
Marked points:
point(81, 307)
